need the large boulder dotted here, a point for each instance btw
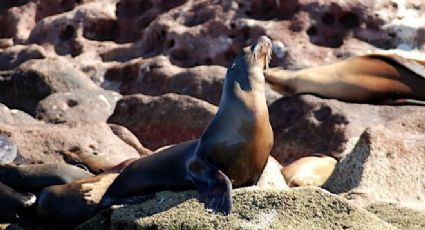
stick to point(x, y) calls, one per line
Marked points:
point(78, 105)
point(94, 145)
point(386, 164)
point(14, 56)
point(157, 76)
point(13, 116)
point(306, 124)
point(36, 79)
point(163, 120)
point(300, 208)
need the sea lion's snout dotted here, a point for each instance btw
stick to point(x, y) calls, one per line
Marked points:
point(262, 51)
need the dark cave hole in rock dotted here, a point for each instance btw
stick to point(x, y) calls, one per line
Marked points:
point(312, 31)
point(296, 26)
point(349, 20)
point(131, 8)
point(101, 30)
point(179, 55)
point(328, 19)
point(67, 33)
point(198, 18)
point(166, 5)
point(208, 61)
point(71, 103)
point(171, 43)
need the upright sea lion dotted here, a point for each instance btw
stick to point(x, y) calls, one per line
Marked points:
point(12, 203)
point(233, 150)
point(309, 171)
point(33, 178)
point(374, 78)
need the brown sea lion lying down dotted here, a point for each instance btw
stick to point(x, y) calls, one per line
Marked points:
point(373, 78)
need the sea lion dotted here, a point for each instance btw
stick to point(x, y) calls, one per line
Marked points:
point(12, 203)
point(309, 171)
point(73, 203)
point(373, 78)
point(232, 151)
point(35, 177)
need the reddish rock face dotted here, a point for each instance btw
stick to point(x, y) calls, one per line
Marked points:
point(90, 144)
point(304, 125)
point(163, 120)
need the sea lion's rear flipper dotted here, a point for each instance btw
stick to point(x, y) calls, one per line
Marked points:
point(213, 186)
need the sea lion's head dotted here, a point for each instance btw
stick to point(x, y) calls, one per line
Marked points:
point(259, 54)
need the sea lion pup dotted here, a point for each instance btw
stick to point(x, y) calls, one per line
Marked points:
point(12, 202)
point(35, 177)
point(374, 78)
point(233, 150)
point(309, 171)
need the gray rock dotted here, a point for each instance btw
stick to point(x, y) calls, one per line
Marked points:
point(78, 105)
point(36, 79)
point(299, 208)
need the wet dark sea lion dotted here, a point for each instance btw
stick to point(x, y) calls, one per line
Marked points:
point(233, 150)
point(35, 177)
point(374, 78)
point(12, 203)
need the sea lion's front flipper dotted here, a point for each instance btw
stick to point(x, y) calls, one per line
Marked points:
point(213, 186)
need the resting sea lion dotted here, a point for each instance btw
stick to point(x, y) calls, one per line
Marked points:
point(12, 203)
point(75, 202)
point(309, 171)
point(374, 78)
point(233, 150)
point(35, 177)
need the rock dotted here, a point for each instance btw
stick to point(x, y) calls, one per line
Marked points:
point(398, 216)
point(14, 56)
point(17, 20)
point(13, 116)
point(158, 76)
point(78, 30)
point(128, 137)
point(91, 144)
point(271, 177)
point(8, 150)
point(36, 79)
point(78, 105)
point(299, 208)
point(163, 120)
point(386, 164)
point(306, 124)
